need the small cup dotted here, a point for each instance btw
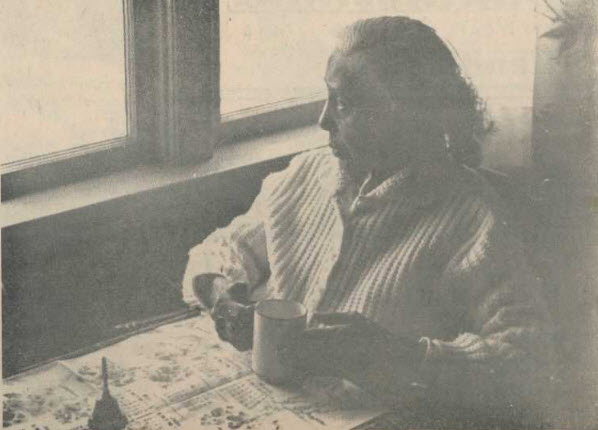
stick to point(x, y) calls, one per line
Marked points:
point(275, 322)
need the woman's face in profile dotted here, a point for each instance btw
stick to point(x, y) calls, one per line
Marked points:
point(368, 129)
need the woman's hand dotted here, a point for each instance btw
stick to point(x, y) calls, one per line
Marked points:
point(229, 307)
point(209, 287)
point(350, 346)
point(233, 322)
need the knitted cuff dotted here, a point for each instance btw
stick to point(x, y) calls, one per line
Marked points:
point(203, 263)
point(444, 360)
point(204, 291)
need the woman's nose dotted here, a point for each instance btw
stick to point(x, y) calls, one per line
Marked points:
point(325, 121)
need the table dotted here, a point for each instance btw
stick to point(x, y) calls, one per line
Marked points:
point(178, 376)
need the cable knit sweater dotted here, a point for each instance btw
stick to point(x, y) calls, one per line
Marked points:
point(419, 256)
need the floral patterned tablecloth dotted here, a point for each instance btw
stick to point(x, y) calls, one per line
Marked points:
point(181, 376)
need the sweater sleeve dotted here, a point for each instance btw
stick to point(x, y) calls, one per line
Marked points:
point(504, 356)
point(237, 252)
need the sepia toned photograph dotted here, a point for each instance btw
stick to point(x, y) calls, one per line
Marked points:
point(299, 214)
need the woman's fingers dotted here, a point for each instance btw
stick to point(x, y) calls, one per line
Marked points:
point(239, 292)
point(242, 330)
point(221, 328)
point(227, 309)
point(219, 310)
point(234, 323)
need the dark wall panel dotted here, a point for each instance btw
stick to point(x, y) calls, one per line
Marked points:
point(70, 279)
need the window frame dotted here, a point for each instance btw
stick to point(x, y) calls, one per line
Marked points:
point(173, 112)
point(58, 168)
point(271, 118)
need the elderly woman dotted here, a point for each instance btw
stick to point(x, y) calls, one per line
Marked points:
point(389, 237)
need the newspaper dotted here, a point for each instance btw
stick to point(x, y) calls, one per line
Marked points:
point(178, 376)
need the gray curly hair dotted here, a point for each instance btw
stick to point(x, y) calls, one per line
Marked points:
point(406, 50)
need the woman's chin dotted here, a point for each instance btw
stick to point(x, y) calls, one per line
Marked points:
point(351, 168)
point(338, 153)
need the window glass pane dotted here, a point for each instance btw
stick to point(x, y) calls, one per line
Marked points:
point(273, 50)
point(62, 78)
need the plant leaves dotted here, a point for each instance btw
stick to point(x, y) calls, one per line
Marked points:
point(566, 33)
point(559, 32)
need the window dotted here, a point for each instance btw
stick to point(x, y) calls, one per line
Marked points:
point(101, 86)
point(64, 83)
point(171, 78)
point(69, 91)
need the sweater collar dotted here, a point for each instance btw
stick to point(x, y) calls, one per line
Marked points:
point(387, 187)
point(419, 187)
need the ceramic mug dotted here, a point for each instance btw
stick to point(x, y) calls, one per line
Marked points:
point(275, 322)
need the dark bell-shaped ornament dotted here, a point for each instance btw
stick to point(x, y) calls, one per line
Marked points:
point(106, 413)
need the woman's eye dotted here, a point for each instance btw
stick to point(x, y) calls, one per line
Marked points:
point(341, 105)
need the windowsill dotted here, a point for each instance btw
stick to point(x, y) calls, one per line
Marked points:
point(147, 178)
